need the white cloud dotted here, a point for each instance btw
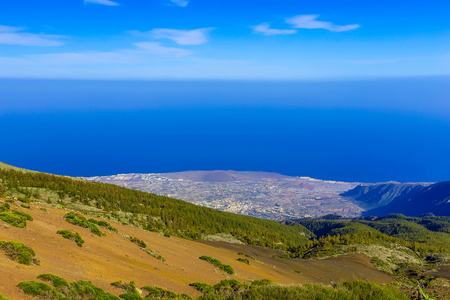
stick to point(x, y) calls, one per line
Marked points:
point(181, 3)
point(310, 22)
point(102, 2)
point(10, 29)
point(183, 37)
point(14, 36)
point(157, 49)
point(266, 30)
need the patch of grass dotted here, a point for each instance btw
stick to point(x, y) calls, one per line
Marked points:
point(25, 206)
point(138, 242)
point(227, 268)
point(19, 252)
point(298, 271)
point(43, 209)
point(244, 260)
point(73, 236)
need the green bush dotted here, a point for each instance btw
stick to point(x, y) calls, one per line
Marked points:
point(5, 207)
point(13, 219)
point(103, 224)
point(19, 252)
point(55, 280)
point(79, 220)
point(62, 290)
point(73, 236)
point(23, 214)
point(157, 292)
point(36, 288)
point(25, 206)
point(228, 269)
point(138, 242)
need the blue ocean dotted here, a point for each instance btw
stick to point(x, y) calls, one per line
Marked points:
point(366, 131)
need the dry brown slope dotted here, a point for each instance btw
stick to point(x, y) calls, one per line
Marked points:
point(103, 260)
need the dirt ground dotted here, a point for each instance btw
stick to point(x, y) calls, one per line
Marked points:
point(103, 260)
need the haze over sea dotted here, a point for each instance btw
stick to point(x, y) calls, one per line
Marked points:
point(368, 130)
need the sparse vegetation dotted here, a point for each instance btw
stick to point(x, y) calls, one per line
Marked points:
point(25, 206)
point(227, 268)
point(19, 252)
point(73, 236)
point(155, 255)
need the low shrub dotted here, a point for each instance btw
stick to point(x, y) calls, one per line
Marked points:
point(103, 224)
point(23, 214)
point(5, 207)
point(36, 288)
point(55, 280)
point(16, 218)
point(227, 268)
point(25, 206)
point(79, 220)
point(265, 289)
point(60, 289)
point(157, 292)
point(138, 242)
point(3, 297)
point(73, 236)
point(244, 260)
point(19, 252)
point(155, 255)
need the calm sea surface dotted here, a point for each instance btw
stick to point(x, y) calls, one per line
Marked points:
point(331, 130)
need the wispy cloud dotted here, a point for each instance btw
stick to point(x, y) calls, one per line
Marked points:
point(157, 49)
point(181, 3)
point(265, 29)
point(310, 22)
point(15, 36)
point(183, 37)
point(141, 54)
point(102, 2)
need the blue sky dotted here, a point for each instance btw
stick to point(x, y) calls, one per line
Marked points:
point(227, 39)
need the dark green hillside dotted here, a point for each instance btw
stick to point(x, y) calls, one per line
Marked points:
point(424, 235)
point(163, 214)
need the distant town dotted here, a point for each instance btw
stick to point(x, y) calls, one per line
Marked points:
point(259, 194)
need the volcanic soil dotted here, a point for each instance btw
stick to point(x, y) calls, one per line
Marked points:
point(113, 257)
